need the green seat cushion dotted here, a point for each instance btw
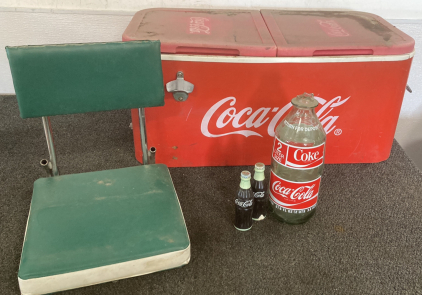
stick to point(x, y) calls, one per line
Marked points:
point(88, 220)
point(78, 78)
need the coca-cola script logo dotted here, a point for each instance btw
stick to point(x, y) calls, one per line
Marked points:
point(259, 194)
point(293, 195)
point(224, 113)
point(298, 157)
point(197, 25)
point(244, 204)
point(332, 28)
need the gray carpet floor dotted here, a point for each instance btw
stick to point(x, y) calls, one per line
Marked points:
point(365, 237)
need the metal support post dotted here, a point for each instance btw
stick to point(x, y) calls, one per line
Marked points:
point(50, 145)
point(143, 130)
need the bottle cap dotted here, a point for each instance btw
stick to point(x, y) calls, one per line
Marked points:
point(305, 100)
point(245, 175)
point(259, 167)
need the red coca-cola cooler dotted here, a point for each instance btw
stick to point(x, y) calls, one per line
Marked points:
point(231, 74)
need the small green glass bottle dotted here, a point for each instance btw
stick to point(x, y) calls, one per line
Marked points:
point(259, 190)
point(244, 203)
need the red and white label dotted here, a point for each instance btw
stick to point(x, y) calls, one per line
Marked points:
point(289, 195)
point(298, 157)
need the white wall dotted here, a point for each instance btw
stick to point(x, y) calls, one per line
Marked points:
point(23, 28)
point(408, 132)
point(391, 9)
point(68, 21)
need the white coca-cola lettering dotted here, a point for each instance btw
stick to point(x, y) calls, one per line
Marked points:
point(236, 119)
point(303, 193)
point(259, 194)
point(230, 113)
point(305, 156)
point(328, 121)
point(298, 157)
point(254, 122)
point(244, 204)
point(332, 28)
point(293, 195)
point(197, 25)
point(255, 119)
point(283, 191)
point(221, 124)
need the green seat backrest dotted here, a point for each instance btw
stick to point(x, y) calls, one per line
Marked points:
point(78, 78)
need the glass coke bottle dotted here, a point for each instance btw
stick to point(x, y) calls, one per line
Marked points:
point(297, 162)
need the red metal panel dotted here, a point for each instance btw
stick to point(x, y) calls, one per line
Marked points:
point(230, 116)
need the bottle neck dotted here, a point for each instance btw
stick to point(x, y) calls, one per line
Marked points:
point(245, 183)
point(298, 116)
point(259, 175)
point(303, 111)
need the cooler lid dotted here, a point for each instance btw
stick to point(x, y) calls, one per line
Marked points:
point(211, 32)
point(327, 33)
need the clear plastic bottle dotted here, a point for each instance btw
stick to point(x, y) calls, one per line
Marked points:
point(244, 203)
point(297, 162)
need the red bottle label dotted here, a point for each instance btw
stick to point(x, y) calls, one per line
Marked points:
point(293, 196)
point(298, 157)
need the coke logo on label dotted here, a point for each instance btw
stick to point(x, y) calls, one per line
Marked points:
point(298, 157)
point(293, 195)
point(247, 121)
point(259, 194)
point(244, 204)
point(305, 156)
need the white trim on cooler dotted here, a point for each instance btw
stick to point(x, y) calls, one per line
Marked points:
point(264, 60)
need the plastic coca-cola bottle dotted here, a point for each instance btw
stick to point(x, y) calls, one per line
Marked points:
point(297, 162)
